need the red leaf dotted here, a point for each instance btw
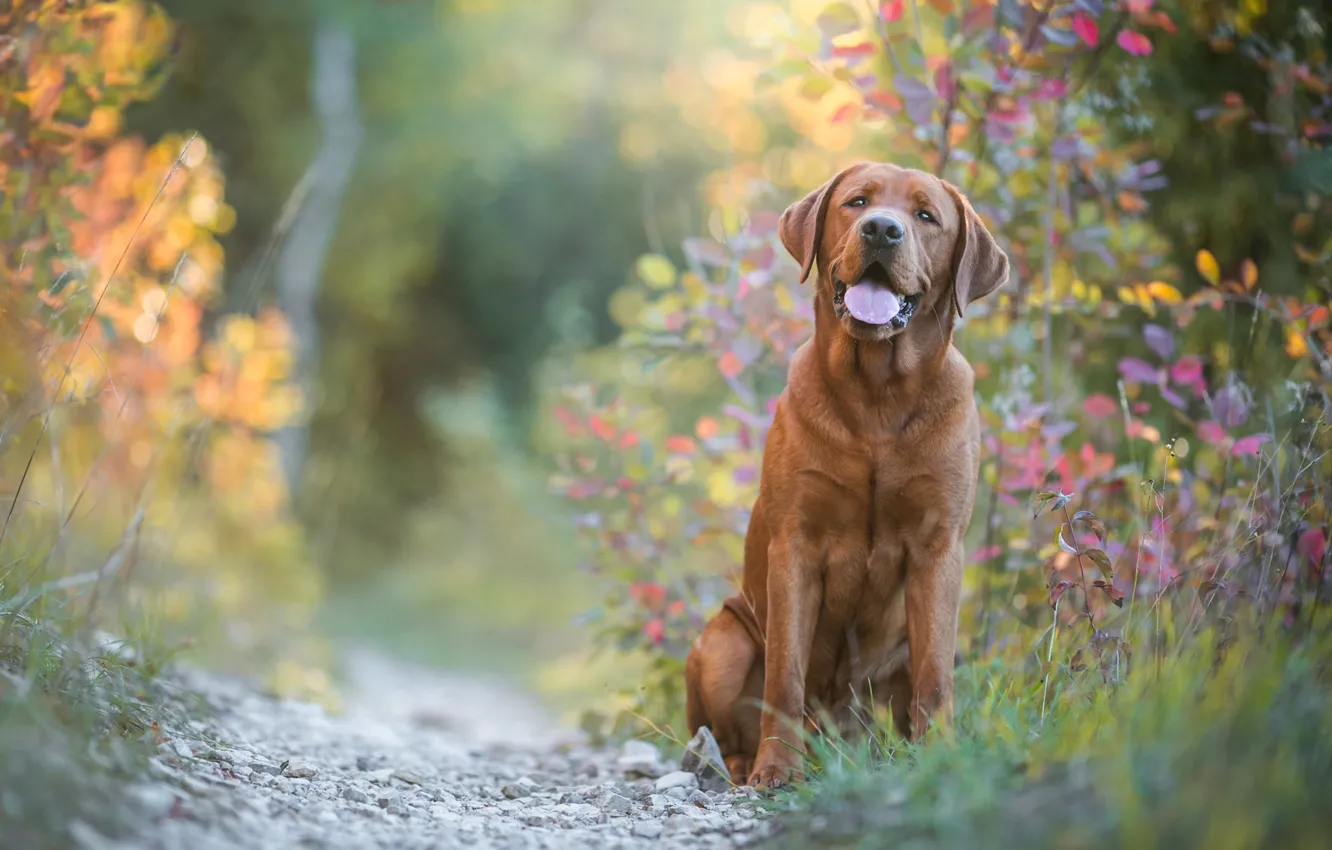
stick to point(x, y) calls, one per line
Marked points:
point(1211, 432)
point(1314, 546)
point(842, 115)
point(1087, 29)
point(1159, 19)
point(885, 100)
point(601, 427)
point(1057, 592)
point(943, 82)
point(655, 631)
point(1116, 595)
point(1249, 445)
point(1100, 406)
point(979, 17)
point(649, 594)
point(891, 11)
point(730, 364)
point(853, 51)
point(572, 427)
point(680, 445)
point(1135, 43)
point(1187, 370)
point(985, 553)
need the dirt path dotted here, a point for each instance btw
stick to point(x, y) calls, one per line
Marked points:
point(417, 760)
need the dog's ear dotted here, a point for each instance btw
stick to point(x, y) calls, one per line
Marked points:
point(979, 265)
point(801, 226)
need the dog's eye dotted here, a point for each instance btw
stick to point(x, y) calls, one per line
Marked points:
point(858, 201)
point(925, 215)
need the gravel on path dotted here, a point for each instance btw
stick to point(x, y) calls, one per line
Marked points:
point(417, 760)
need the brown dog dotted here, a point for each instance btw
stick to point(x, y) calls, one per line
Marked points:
point(853, 560)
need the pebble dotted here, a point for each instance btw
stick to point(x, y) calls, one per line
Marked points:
point(617, 805)
point(299, 770)
point(522, 788)
point(285, 774)
point(648, 829)
point(677, 779)
point(639, 758)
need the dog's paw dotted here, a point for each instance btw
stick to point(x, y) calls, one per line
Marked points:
point(773, 773)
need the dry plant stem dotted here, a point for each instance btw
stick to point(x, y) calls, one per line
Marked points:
point(986, 579)
point(1049, 658)
point(83, 332)
point(1082, 572)
point(1047, 267)
point(124, 402)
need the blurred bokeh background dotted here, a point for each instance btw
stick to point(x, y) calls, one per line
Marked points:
point(451, 326)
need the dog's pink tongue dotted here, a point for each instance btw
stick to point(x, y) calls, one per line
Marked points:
point(872, 304)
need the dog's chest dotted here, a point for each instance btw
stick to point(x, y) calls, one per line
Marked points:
point(867, 555)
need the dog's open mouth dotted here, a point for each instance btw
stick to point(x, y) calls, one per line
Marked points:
point(871, 299)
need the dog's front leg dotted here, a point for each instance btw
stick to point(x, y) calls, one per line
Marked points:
point(933, 591)
point(795, 595)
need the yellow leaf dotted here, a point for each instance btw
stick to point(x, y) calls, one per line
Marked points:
point(656, 271)
point(1295, 344)
point(1164, 292)
point(1207, 267)
point(722, 489)
point(1248, 274)
point(1144, 298)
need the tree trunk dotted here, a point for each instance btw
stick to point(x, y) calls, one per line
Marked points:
point(300, 264)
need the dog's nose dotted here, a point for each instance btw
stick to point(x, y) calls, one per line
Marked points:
point(882, 230)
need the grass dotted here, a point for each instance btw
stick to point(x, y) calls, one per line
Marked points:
point(79, 716)
point(1225, 749)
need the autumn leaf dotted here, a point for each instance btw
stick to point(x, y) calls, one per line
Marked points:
point(1101, 560)
point(680, 445)
point(1116, 595)
point(854, 51)
point(1134, 42)
point(1296, 346)
point(1099, 406)
point(891, 11)
point(656, 271)
point(844, 113)
point(1208, 267)
point(1087, 29)
point(730, 364)
point(601, 427)
point(1164, 292)
point(1057, 592)
point(1092, 521)
point(1070, 548)
point(1249, 274)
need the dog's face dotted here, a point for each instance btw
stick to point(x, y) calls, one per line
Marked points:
point(892, 243)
